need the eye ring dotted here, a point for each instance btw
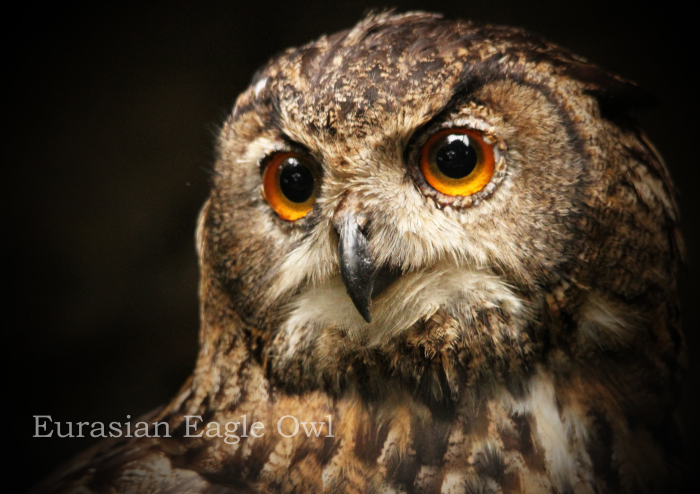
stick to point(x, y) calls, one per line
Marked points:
point(457, 161)
point(290, 184)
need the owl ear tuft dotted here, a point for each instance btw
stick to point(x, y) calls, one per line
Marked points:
point(617, 97)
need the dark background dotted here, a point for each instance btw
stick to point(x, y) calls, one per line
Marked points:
point(111, 114)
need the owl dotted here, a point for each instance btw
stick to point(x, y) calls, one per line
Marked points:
point(437, 256)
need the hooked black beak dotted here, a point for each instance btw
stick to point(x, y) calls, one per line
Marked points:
point(357, 268)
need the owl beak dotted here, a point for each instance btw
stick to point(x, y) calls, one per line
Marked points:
point(357, 268)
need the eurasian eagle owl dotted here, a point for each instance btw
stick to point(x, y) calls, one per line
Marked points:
point(442, 256)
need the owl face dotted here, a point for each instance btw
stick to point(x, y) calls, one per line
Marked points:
point(408, 168)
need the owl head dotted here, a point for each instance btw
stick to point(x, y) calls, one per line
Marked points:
point(415, 193)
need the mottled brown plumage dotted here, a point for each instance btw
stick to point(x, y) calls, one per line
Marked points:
point(532, 341)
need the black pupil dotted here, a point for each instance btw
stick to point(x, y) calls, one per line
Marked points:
point(456, 158)
point(296, 181)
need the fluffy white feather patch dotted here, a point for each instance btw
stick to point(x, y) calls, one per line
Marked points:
point(414, 296)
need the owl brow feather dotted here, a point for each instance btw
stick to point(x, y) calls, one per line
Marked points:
point(457, 98)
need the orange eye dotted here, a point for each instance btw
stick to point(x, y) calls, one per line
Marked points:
point(290, 183)
point(457, 162)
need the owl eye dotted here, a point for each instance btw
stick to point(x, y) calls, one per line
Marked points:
point(457, 162)
point(290, 183)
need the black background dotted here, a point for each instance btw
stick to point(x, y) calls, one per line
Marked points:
point(111, 113)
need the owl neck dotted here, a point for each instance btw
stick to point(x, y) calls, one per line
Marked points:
point(436, 361)
point(431, 361)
